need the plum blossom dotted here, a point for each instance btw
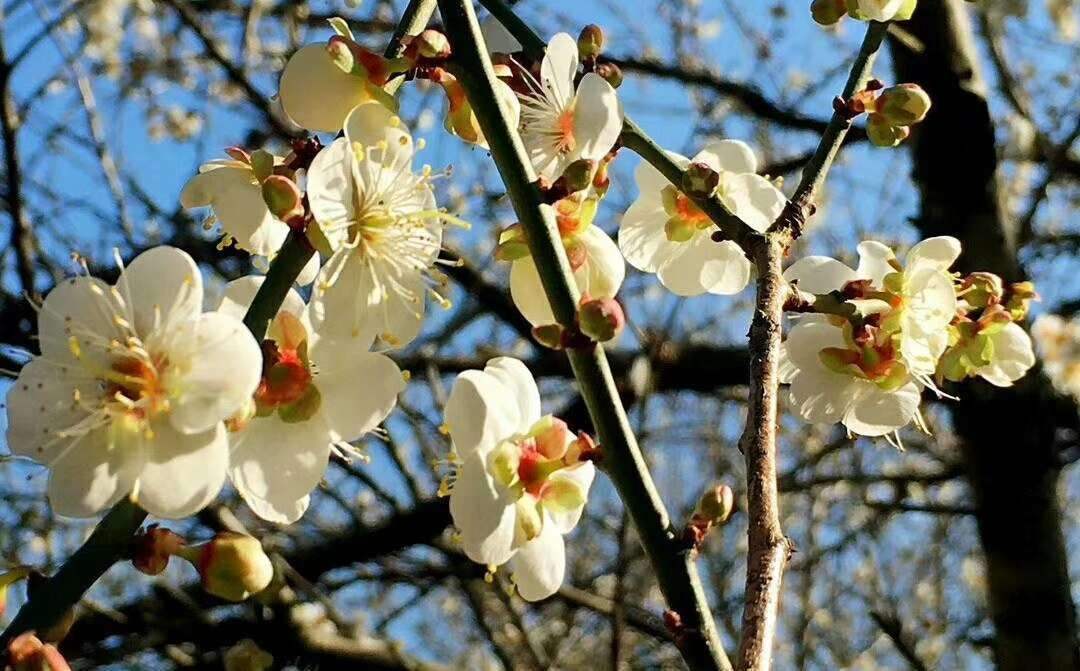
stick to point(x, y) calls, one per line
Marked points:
point(382, 228)
point(562, 122)
point(1010, 355)
point(598, 271)
point(521, 482)
point(665, 233)
point(315, 397)
point(132, 389)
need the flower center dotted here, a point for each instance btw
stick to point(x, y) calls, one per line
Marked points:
point(135, 385)
point(685, 218)
point(525, 463)
point(873, 354)
point(287, 386)
point(564, 125)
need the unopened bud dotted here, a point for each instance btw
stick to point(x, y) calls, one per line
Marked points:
point(578, 175)
point(1019, 298)
point(431, 44)
point(884, 134)
point(903, 104)
point(828, 12)
point(590, 42)
point(232, 566)
point(602, 319)
point(283, 197)
point(549, 335)
point(27, 652)
point(340, 53)
point(716, 505)
point(611, 73)
point(982, 289)
point(153, 547)
point(700, 180)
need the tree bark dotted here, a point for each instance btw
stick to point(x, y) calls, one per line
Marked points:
point(1008, 436)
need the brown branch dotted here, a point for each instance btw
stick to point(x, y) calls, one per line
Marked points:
point(23, 241)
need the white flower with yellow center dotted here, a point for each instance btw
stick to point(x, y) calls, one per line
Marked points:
point(665, 233)
point(382, 226)
point(315, 397)
point(562, 122)
point(520, 484)
point(132, 389)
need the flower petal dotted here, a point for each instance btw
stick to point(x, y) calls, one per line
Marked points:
point(704, 265)
point(275, 465)
point(41, 405)
point(486, 521)
point(874, 259)
point(812, 334)
point(358, 388)
point(518, 381)
point(317, 94)
point(370, 124)
point(604, 269)
point(223, 368)
point(877, 412)
point(331, 190)
point(1013, 356)
point(821, 396)
point(819, 274)
point(582, 476)
point(183, 472)
point(753, 199)
point(539, 567)
point(240, 292)
point(93, 474)
point(727, 156)
point(939, 252)
point(559, 67)
point(481, 411)
point(498, 39)
point(80, 309)
point(642, 239)
point(651, 182)
point(528, 293)
point(163, 288)
point(598, 117)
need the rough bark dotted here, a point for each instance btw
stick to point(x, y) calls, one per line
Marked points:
point(1008, 436)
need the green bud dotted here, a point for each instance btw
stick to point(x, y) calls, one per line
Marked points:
point(233, 566)
point(982, 289)
point(282, 197)
point(903, 104)
point(716, 505)
point(601, 319)
point(884, 134)
point(611, 73)
point(431, 44)
point(828, 12)
point(700, 180)
point(590, 42)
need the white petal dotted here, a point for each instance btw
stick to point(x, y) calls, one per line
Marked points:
point(183, 472)
point(486, 521)
point(164, 289)
point(238, 204)
point(819, 274)
point(939, 252)
point(40, 404)
point(240, 292)
point(84, 309)
point(315, 93)
point(753, 199)
point(877, 412)
point(309, 272)
point(217, 366)
point(518, 380)
point(874, 263)
point(582, 475)
point(275, 465)
point(559, 67)
point(727, 156)
point(91, 476)
point(598, 117)
point(358, 388)
point(704, 265)
point(821, 396)
point(812, 334)
point(1013, 356)
point(651, 182)
point(931, 298)
point(331, 190)
point(604, 269)
point(481, 411)
point(921, 350)
point(528, 293)
point(642, 239)
point(371, 124)
point(539, 566)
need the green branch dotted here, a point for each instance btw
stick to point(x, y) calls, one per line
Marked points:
point(672, 562)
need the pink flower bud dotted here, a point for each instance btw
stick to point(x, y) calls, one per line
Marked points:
point(602, 319)
point(611, 73)
point(27, 653)
point(283, 197)
point(590, 42)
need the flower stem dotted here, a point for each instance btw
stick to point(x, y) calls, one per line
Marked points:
point(672, 561)
point(294, 254)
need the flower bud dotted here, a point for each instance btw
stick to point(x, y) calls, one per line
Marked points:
point(982, 289)
point(716, 505)
point(26, 652)
point(283, 197)
point(700, 180)
point(602, 319)
point(884, 134)
point(903, 104)
point(578, 175)
point(340, 54)
point(1020, 295)
point(611, 73)
point(590, 42)
point(153, 547)
point(232, 566)
point(430, 44)
point(828, 12)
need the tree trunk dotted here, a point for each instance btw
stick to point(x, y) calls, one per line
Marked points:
point(1008, 436)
